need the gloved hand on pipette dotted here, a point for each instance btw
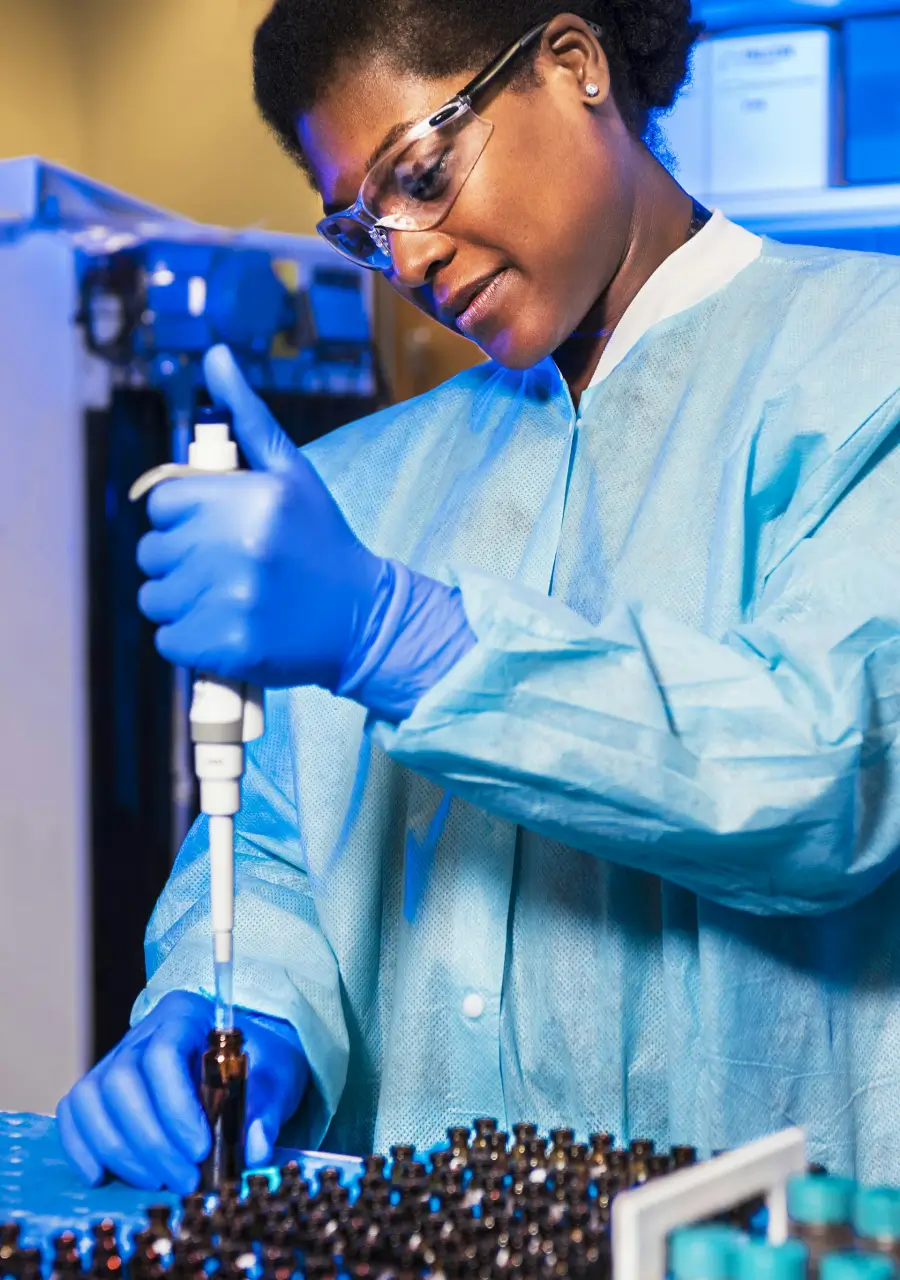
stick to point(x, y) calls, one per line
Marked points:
point(137, 1114)
point(257, 576)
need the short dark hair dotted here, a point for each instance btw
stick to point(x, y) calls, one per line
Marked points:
point(299, 44)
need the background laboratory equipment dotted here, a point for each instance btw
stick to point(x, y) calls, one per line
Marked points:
point(790, 124)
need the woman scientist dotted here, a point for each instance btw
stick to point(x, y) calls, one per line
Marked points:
point(580, 796)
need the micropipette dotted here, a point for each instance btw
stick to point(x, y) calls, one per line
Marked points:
point(224, 715)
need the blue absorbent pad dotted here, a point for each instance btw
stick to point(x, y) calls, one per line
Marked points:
point(40, 1190)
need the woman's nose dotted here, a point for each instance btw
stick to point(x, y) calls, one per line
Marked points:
point(417, 255)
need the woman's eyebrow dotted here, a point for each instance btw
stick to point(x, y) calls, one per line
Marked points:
point(393, 135)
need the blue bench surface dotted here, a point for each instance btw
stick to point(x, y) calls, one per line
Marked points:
point(40, 1190)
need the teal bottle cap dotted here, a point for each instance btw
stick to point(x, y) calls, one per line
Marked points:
point(856, 1266)
point(820, 1201)
point(760, 1261)
point(876, 1213)
point(703, 1253)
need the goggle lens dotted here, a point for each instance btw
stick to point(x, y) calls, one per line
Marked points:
point(367, 246)
point(413, 187)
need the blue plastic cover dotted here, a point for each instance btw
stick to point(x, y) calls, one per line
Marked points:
point(718, 14)
point(36, 195)
point(871, 55)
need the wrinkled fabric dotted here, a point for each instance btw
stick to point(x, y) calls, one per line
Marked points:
point(651, 819)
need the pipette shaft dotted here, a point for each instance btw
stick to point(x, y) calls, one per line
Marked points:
point(221, 876)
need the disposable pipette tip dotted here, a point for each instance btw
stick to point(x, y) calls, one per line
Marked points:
point(223, 960)
point(224, 995)
point(221, 850)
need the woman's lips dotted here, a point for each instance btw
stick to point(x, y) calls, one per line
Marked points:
point(483, 303)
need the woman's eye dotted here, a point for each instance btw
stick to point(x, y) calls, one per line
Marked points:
point(425, 181)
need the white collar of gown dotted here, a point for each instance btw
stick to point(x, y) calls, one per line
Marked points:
point(702, 266)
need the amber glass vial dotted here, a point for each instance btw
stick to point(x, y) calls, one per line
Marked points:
point(223, 1092)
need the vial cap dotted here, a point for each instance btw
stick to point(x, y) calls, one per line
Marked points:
point(562, 1137)
point(703, 1253)
point(759, 1261)
point(485, 1125)
point(856, 1266)
point(820, 1201)
point(876, 1213)
point(642, 1147)
point(683, 1156)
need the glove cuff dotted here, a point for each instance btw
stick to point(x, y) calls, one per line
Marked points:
point(418, 631)
point(391, 599)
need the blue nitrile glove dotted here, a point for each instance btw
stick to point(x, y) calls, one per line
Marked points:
point(258, 577)
point(137, 1114)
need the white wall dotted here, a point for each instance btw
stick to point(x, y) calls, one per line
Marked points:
point(44, 934)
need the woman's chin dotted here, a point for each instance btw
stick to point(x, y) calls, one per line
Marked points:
point(516, 348)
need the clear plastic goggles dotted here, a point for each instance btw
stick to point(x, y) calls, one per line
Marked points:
point(412, 187)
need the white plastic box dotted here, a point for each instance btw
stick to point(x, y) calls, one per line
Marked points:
point(772, 117)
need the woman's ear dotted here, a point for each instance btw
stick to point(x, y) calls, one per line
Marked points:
point(572, 48)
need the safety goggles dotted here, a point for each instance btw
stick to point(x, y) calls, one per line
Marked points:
point(413, 186)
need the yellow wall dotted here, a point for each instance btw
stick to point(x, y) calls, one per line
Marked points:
point(41, 107)
point(170, 116)
point(155, 97)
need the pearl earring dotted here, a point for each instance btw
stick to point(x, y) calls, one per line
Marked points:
point(591, 89)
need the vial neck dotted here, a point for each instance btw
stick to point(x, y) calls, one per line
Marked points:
point(227, 1043)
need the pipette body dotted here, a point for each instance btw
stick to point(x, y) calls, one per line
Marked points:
point(225, 714)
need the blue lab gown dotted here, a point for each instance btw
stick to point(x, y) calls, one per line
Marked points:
point(631, 864)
